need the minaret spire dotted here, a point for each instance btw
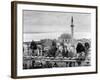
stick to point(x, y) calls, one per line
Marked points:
point(72, 27)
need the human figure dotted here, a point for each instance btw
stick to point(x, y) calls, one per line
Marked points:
point(48, 64)
point(65, 52)
point(55, 65)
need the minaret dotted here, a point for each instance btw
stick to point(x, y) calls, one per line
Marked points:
point(72, 27)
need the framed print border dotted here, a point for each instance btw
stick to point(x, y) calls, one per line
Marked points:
point(14, 36)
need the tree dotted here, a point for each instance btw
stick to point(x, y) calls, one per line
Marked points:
point(33, 46)
point(80, 48)
point(87, 46)
point(53, 43)
point(52, 51)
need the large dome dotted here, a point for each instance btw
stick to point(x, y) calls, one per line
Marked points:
point(65, 36)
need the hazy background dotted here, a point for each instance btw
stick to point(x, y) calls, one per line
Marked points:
point(49, 24)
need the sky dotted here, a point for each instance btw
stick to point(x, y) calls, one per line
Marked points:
point(49, 24)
